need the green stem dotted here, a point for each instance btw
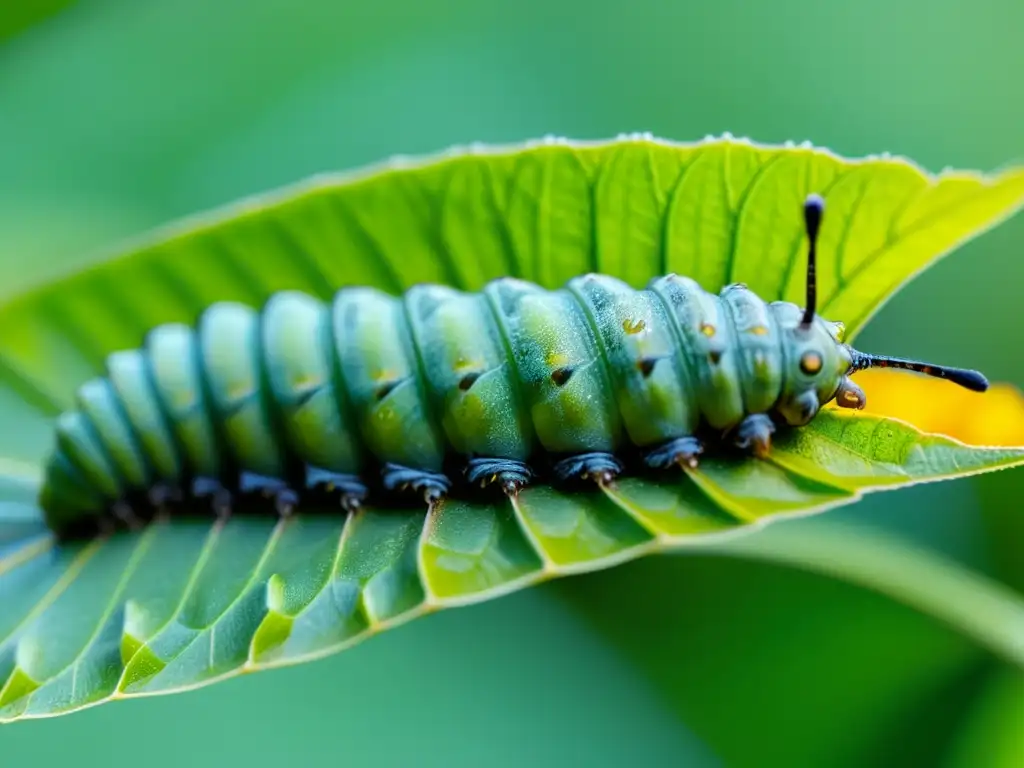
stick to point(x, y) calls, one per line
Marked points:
point(979, 607)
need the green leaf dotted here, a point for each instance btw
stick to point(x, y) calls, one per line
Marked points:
point(186, 603)
point(719, 210)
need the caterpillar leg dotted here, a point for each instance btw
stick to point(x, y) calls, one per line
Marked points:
point(125, 514)
point(755, 433)
point(351, 489)
point(598, 466)
point(162, 494)
point(432, 485)
point(682, 450)
point(156, 501)
point(271, 488)
point(212, 489)
point(511, 475)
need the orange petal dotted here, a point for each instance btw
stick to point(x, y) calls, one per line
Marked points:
point(992, 418)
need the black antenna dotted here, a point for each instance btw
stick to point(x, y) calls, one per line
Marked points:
point(972, 380)
point(814, 209)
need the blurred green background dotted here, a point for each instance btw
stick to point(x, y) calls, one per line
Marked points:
point(116, 116)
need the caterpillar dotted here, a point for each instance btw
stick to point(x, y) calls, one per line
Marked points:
point(373, 392)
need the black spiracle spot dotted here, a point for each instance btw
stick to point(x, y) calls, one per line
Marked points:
point(646, 365)
point(561, 376)
point(386, 389)
point(467, 381)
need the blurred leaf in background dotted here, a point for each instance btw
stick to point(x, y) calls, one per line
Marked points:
point(16, 16)
point(993, 418)
point(117, 116)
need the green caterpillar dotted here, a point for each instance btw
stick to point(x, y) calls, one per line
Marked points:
point(400, 394)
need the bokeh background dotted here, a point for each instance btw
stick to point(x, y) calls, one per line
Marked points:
point(118, 115)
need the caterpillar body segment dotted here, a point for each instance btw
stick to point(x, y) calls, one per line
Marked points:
point(309, 407)
point(172, 356)
point(705, 340)
point(240, 403)
point(650, 380)
point(98, 405)
point(758, 338)
point(440, 390)
point(471, 379)
point(130, 377)
point(563, 377)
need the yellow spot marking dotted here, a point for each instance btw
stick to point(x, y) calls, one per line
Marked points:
point(384, 375)
point(239, 392)
point(184, 401)
point(633, 327)
point(759, 330)
point(707, 329)
point(306, 382)
point(462, 363)
point(556, 360)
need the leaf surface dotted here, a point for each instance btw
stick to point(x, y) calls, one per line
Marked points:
point(188, 602)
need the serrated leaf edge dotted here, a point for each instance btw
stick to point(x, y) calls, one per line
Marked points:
point(396, 163)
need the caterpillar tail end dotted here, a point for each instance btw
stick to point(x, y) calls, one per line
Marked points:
point(72, 507)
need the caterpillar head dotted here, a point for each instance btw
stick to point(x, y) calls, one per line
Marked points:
point(820, 363)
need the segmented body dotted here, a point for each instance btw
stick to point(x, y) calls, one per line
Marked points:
point(376, 392)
